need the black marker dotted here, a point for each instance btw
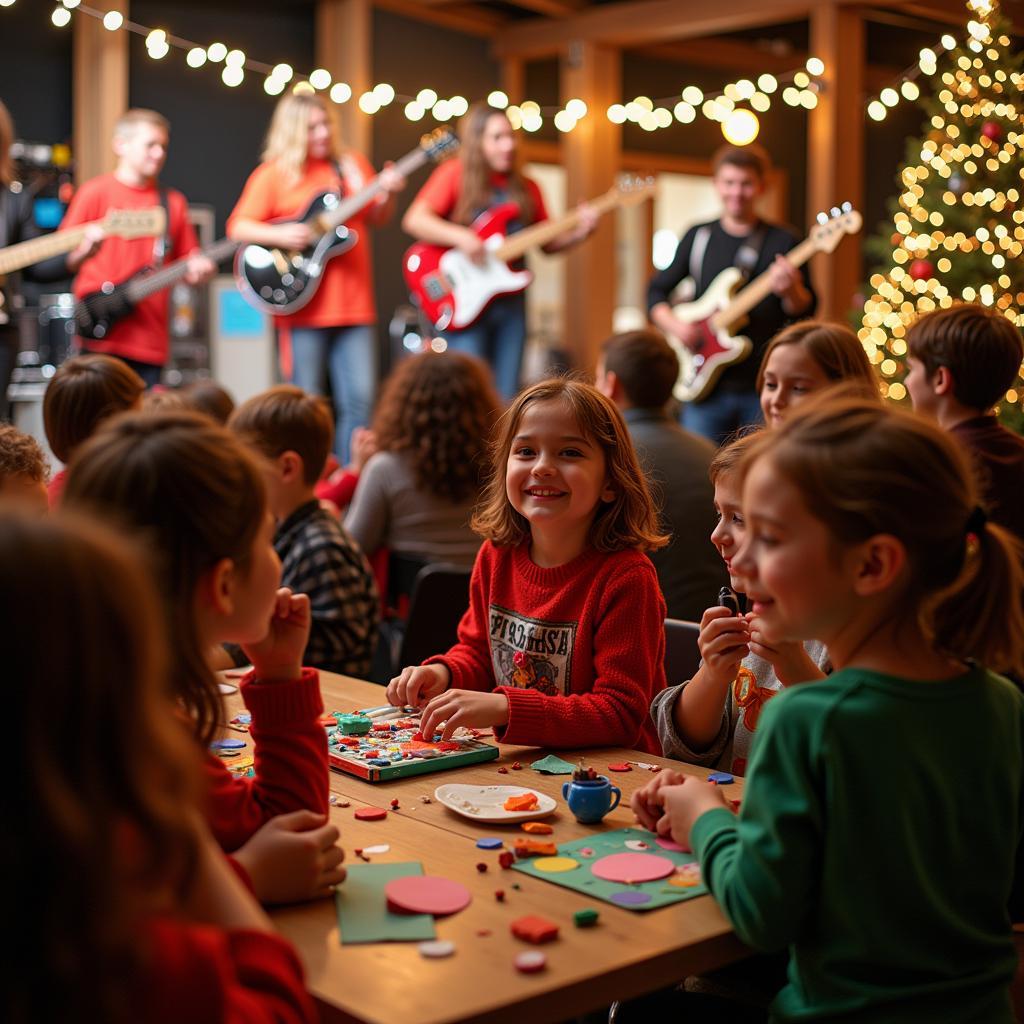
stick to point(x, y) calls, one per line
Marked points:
point(727, 599)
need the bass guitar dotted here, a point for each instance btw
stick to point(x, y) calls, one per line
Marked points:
point(453, 290)
point(722, 310)
point(98, 311)
point(150, 221)
point(280, 282)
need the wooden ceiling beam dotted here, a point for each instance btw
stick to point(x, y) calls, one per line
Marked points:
point(473, 19)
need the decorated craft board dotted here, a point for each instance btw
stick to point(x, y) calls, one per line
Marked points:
point(380, 747)
point(573, 868)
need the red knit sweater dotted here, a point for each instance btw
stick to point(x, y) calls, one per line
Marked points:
point(578, 649)
point(291, 760)
point(200, 973)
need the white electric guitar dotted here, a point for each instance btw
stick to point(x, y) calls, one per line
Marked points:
point(722, 310)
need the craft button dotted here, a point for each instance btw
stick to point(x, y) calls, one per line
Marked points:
point(585, 918)
point(535, 929)
point(721, 778)
point(227, 744)
point(555, 865)
point(438, 949)
point(530, 962)
point(371, 814)
point(624, 767)
point(490, 843)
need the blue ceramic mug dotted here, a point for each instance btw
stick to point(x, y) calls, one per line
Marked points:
point(591, 799)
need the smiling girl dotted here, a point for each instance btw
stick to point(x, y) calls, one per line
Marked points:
point(564, 638)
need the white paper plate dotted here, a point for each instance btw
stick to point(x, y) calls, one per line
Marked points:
point(486, 803)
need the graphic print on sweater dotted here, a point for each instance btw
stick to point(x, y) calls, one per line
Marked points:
point(531, 653)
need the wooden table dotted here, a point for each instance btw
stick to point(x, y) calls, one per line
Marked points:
point(626, 954)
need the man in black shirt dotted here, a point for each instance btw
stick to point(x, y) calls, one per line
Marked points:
point(738, 238)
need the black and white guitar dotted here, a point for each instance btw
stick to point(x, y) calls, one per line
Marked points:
point(98, 311)
point(280, 282)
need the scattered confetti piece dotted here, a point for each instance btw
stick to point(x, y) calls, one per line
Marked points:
point(482, 933)
point(370, 814)
point(503, 770)
point(425, 800)
point(378, 849)
point(721, 778)
point(499, 895)
point(534, 928)
point(625, 766)
point(343, 803)
point(585, 918)
point(506, 859)
point(552, 765)
point(490, 843)
point(586, 851)
point(516, 766)
point(437, 949)
point(481, 867)
point(394, 804)
point(537, 828)
point(530, 962)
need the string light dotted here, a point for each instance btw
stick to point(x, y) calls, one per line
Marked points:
point(60, 16)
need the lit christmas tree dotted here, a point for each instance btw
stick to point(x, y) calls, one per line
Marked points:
point(958, 224)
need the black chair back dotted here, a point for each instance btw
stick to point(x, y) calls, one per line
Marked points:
point(440, 597)
point(682, 656)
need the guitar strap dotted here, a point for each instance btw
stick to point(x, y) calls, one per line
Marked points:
point(746, 256)
point(162, 243)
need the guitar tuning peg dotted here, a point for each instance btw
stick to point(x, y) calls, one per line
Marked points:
point(847, 207)
point(835, 211)
point(822, 217)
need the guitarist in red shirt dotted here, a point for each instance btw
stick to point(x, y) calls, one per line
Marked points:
point(484, 175)
point(738, 238)
point(140, 339)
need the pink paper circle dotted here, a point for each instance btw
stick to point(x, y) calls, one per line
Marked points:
point(426, 894)
point(671, 844)
point(632, 867)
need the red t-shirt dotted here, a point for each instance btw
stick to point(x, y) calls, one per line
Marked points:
point(345, 295)
point(578, 650)
point(442, 189)
point(143, 334)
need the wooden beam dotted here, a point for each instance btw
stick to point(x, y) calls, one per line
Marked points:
point(553, 8)
point(591, 154)
point(473, 19)
point(513, 79)
point(344, 46)
point(943, 12)
point(100, 95)
point(644, 21)
point(835, 148)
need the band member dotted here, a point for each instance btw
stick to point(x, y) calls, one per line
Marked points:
point(140, 141)
point(484, 175)
point(333, 334)
point(17, 224)
point(742, 239)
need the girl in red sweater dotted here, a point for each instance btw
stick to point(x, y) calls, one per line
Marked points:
point(563, 642)
point(197, 497)
point(124, 908)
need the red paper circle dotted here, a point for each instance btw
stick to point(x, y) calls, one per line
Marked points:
point(628, 868)
point(426, 894)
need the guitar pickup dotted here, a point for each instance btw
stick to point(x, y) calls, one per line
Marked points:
point(436, 286)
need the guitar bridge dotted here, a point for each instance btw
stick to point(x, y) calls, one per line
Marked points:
point(436, 286)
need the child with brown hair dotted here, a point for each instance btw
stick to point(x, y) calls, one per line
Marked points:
point(293, 431)
point(710, 719)
point(197, 497)
point(564, 639)
point(961, 361)
point(125, 907)
point(879, 836)
point(84, 392)
point(804, 358)
point(23, 469)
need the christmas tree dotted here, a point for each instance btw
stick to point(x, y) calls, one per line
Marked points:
point(957, 232)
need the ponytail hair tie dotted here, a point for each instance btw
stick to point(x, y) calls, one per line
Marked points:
point(976, 520)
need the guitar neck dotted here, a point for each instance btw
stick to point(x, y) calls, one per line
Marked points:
point(156, 281)
point(747, 298)
point(351, 205)
point(35, 250)
point(540, 234)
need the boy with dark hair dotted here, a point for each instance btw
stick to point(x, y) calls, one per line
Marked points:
point(637, 372)
point(738, 238)
point(961, 361)
point(23, 469)
point(294, 432)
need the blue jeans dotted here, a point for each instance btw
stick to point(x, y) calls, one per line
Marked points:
point(498, 338)
point(348, 354)
point(722, 414)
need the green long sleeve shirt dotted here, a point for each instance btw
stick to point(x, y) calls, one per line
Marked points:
point(880, 840)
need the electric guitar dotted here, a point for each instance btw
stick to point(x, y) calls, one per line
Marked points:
point(150, 221)
point(722, 310)
point(454, 290)
point(98, 311)
point(277, 281)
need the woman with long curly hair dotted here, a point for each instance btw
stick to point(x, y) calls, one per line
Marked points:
point(416, 495)
point(486, 174)
point(333, 334)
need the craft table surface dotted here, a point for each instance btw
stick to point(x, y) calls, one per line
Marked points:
point(625, 955)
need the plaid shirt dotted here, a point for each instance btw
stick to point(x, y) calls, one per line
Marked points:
point(319, 559)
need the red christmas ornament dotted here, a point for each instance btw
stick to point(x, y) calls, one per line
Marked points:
point(921, 270)
point(992, 130)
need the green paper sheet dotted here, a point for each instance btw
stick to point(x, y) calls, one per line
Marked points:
point(363, 914)
point(552, 765)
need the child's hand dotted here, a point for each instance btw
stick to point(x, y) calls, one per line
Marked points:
point(646, 801)
point(790, 660)
point(684, 804)
point(363, 444)
point(293, 857)
point(417, 684)
point(723, 642)
point(463, 707)
point(278, 656)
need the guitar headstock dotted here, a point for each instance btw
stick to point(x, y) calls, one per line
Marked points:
point(634, 188)
point(144, 223)
point(832, 226)
point(439, 143)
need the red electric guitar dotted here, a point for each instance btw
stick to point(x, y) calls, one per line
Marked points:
point(453, 290)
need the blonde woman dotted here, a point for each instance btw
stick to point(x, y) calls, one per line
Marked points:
point(333, 333)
